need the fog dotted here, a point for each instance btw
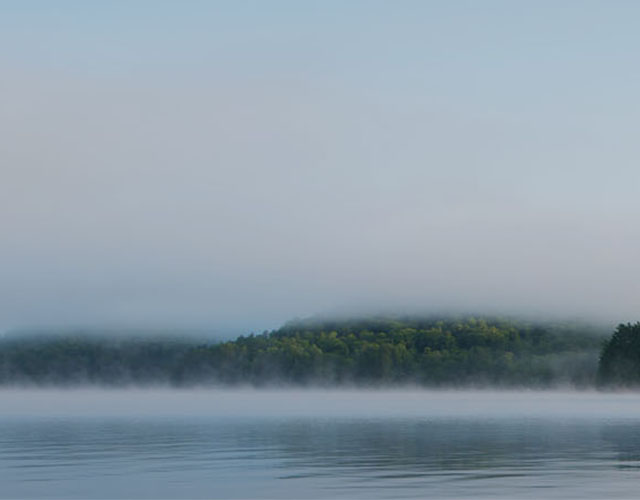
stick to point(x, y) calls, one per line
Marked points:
point(231, 166)
point(250, 403)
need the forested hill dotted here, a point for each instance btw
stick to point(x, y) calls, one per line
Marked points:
point(425, 351)
point(431, 352)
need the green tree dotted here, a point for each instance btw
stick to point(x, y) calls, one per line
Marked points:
point(620, 357)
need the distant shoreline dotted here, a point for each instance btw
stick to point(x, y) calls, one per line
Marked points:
point(431, 352)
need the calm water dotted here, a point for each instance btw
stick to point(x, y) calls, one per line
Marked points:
point(409, 444)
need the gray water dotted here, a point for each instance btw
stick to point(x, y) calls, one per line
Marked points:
point(318, 444)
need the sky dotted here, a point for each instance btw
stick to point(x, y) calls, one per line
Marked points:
point(233, 165)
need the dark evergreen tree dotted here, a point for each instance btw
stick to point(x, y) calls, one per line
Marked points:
point(620, 357)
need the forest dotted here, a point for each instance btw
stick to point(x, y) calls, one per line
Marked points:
point(386, 351)
point(620, 358)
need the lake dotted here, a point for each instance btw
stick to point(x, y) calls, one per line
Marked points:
point(318, 444)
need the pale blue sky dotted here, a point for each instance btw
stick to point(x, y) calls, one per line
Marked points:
point(235, 164)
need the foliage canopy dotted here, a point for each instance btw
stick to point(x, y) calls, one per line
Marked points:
point(620, 357)
point(465, 351)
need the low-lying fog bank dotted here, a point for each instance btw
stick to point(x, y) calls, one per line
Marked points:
point(249, 403)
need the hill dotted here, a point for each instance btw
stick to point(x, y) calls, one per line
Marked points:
point(387, 351)
point(466, 351)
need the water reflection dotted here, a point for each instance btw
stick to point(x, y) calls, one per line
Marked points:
point(316, 457)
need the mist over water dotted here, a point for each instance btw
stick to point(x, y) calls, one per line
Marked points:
point(317, 403)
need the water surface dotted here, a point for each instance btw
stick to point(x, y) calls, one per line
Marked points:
point(318, 444)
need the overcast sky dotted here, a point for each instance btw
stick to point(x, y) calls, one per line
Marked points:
point(232, 165)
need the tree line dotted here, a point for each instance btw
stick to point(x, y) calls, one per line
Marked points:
point(434, 352)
